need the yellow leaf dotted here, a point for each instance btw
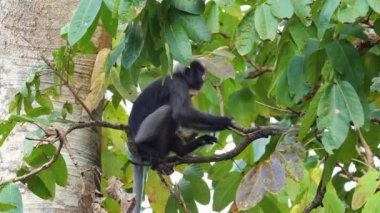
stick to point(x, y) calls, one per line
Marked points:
point(98, 81)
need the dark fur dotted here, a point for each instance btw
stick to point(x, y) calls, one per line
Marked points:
point(158, 113)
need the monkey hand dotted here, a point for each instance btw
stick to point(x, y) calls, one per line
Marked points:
point(207, 139)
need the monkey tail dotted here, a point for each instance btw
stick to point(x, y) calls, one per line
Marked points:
point(139, 179)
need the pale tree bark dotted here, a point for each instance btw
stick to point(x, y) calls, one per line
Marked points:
point(39, 22)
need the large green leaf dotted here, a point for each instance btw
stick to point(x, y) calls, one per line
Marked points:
point(311, 114)
point(372, 204)
point(179, 43)
point(225, 190)
point(10, 199)
point(212, 16)
point(193, 6)
point(350, 10)
point(333, 118)
point(323, 20)
point(346, 61)
point(375, 5)
point(195, 26)
point(6, 128)
point(352, 101)
point(134, 43)
point(43, 184)
point(281, 8)
point(331, 201)
point(365, 188)
point(83, 18)
point(298, 87)
point(43, 154)
point(302, 10)
point(245, 34)
point(265, 23)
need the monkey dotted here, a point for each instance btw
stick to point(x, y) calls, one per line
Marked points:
point(163, 108)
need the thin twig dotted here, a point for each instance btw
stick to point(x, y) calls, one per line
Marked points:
point(177, 195)
point(278, 109)
point(44, 166)
point(64, 80)
point(259, 132)
point(367, 150)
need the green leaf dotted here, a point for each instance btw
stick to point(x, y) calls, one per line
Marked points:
point(346, 61)
point(114, 55)
point(375, 5)
point(372, 204)
point(350, 10)
point(134, 43)
point(298, 87)
point(42, 185)
point(365, 188)
point(219, 170)
point(225, 190)
point(212, 16)
point(83, 18)
point(323, 20)
point(109, 22)
point(10, 199)
point(245, 34)
point(193, 6)
point(194, 171)
point(200, 190)
point(281, 8)
point(265, 23)
point(178, 42)
point(302, 10)
point(187, 194)
point(195, 26)
point(6, 128)
point(333, 118)
point(352, 101)
point(311, 114)
point(331, 201)
point(44, 100)
point(43, 154)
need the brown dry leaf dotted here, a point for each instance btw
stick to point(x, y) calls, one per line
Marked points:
point(98, 81)
point(113, 187)
point(251, 191)
point(218, 66)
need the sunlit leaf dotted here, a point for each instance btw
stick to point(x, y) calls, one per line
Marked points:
point(212, 16)
point(372, 204)
point(98, 80)
point(83, 18)
point(265, 23)
point(281, 8)
point(365, 188)
point(352, 101)
point(219, 66)
point(245, 34)
point(302, 10)
point(157, 192)
point(350, 10)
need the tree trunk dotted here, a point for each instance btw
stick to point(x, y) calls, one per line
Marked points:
point(39, 22)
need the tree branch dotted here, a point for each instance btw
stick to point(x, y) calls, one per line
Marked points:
point(258, 70)
point(62, 140)
point(259, 132)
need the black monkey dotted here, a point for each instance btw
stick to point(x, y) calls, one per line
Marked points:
point(157, 114)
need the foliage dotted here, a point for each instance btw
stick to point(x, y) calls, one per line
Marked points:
point(315, 66)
